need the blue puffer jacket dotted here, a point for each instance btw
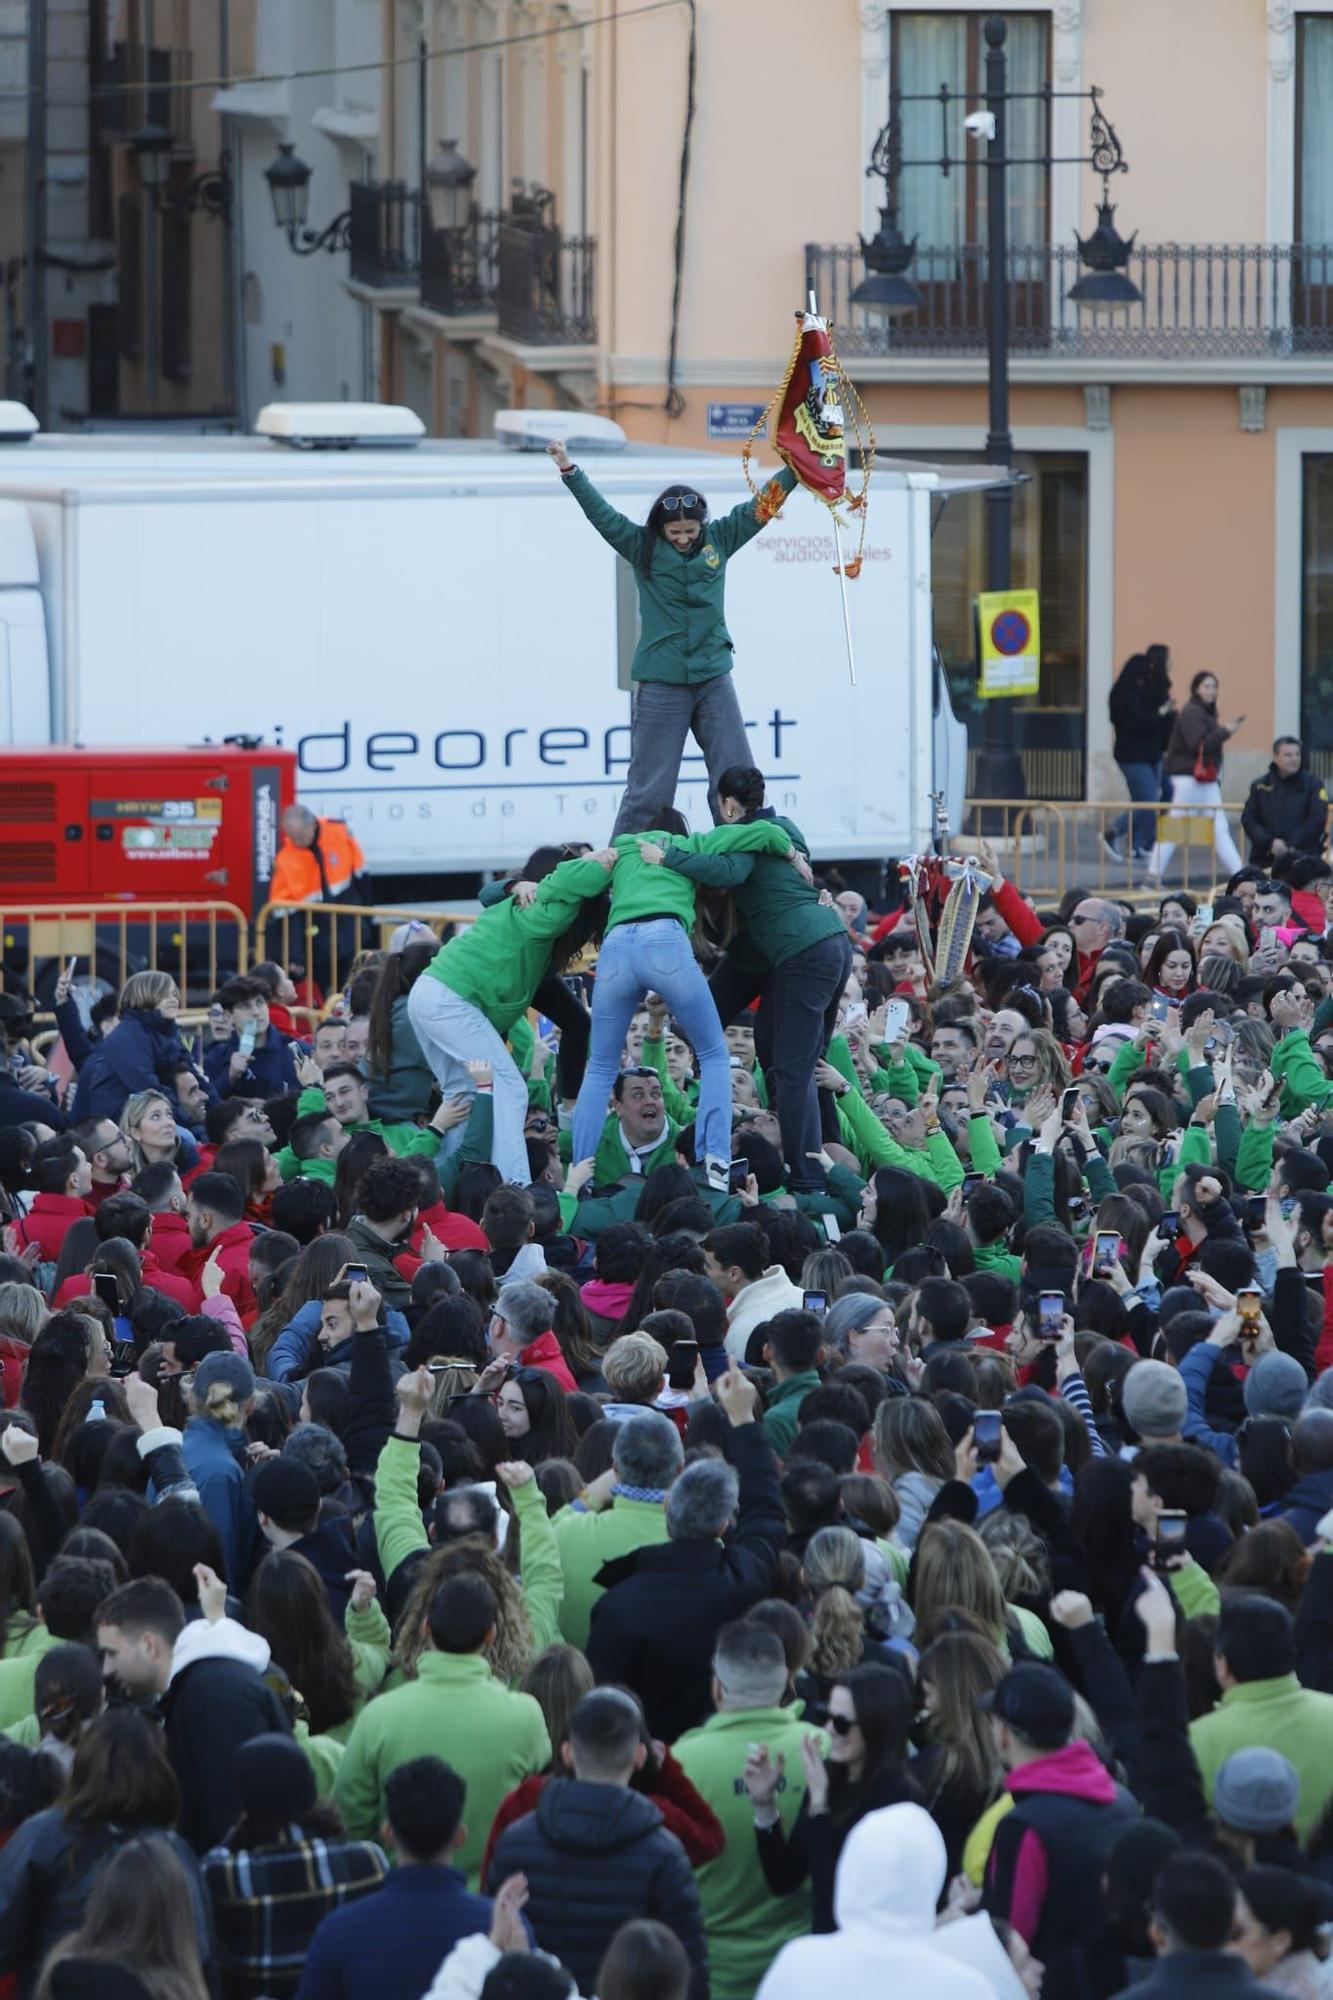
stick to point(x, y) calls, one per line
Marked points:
point(296, 1350)
point(143, 1052)
point(1306, 1504)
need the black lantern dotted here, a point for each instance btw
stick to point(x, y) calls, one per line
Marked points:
point(449, 180)
point(289, 184)
point(152, 149)
point(886, 289)
point(1106, 253)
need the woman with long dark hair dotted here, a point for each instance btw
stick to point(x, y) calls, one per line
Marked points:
point(682, 665)
point(531, 1406)
point(792, 950)
point(1142, 712)
point(869, 1723)
point(121, 1784)
point(481, 981)
point(1194, 767)
point(1170, 970)
point(401, 1081)
point(357, 1154)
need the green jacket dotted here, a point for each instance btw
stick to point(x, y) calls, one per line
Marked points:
point(784, 1408)
point(18, 1670)
point(642, 888)
point(747, 1925)
point(1278, 1714)
point(1296, 1067)
point(780, 914)
point(586, 1541)
point(455, 1709)
point(400, 1139)
point(498, 963)
point(611, 1161)
point(400, 1532)
point(683, 636)
point(406, 1091)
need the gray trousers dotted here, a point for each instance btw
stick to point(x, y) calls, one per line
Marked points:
point(664, 714)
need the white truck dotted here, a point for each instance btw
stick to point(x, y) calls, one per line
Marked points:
point(445, 641)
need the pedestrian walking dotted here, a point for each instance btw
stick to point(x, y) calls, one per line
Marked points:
point(1142, 715)
point(1194, 766)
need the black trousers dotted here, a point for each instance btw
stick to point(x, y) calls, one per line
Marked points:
point(554, 999)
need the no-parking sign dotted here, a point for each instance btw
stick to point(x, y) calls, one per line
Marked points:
point(1009, 622)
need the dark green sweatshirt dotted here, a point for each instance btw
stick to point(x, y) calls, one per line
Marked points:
point(683, 635)
point(780, 913)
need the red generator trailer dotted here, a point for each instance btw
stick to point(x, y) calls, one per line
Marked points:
point(99, 834)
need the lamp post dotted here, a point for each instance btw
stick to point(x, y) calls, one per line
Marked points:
point(288, 180)
point(888, 289)
point(449, 181)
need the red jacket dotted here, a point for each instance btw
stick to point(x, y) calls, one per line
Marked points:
point(1323, 1354)
point(157, 1280)
point(48, 1221)
point(101, 1191)
point(546, 1352)
point(233, 1248)
point(685, 1812)
point(1019, 914)
point(203, 1165)
point(13, 1367)
point(169, 1241)
point(455, 1231)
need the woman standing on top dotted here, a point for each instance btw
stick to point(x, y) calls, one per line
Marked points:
point(682, 665)
point(646, 949)
point(791, 948)
point(1194, 767)
point(477, 985)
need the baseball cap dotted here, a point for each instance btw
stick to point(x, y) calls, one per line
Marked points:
point(1036, 1701)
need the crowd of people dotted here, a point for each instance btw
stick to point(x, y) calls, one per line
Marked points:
point(753, 1468)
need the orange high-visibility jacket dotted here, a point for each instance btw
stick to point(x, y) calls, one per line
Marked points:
point(296, 871)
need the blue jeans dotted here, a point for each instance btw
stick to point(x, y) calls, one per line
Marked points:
point(1145, 787)
point(654, 957)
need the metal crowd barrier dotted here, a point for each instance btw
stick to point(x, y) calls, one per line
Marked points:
point(199, 944)
point(1048, 848)
point(328, 938)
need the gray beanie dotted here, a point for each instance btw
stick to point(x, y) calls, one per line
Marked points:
point(232, 1370)
point(1153, 1399)
point(1320, 1393)
point(1275, 1386)
point(1256, 1791)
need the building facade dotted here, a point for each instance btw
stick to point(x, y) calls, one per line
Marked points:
point(1179, 453)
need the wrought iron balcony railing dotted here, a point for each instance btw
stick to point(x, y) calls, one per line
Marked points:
point(547, 285)
point(1200, 300)
point(385, 234)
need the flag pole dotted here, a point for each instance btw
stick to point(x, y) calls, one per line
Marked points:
point(842, 585)
point(837, 537)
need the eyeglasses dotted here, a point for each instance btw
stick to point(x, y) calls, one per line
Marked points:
point(683, 503)
point(1022, 1062)
point(842, 1725)
point(541, 1123)
point(1077, 919)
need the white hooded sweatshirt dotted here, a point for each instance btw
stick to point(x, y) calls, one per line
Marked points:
point(890, 1875)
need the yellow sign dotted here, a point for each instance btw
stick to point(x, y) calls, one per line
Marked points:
point(1009, 624)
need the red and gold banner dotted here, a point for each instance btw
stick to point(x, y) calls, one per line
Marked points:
point(810, 428)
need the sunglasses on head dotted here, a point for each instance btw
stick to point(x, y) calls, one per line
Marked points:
point(683, 503)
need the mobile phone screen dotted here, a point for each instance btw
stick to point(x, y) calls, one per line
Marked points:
point(739, 1174)
point(1069, 1103)
point(1105, 1250)
point(1168, 1226)
point(1171, 1527)
point(815, 1302)
point(1249, 1304)
point(971, 1181)
point(356, 1274)
point(682, 1359)
point(1050, 1312)
point(986, 1436)
point(106, 1289)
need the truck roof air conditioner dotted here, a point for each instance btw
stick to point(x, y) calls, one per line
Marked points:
point(533, 430)
point(339, 426)
point(17, 423)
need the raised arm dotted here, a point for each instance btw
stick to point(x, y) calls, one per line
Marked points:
point(732, 531)
point(624, 535)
